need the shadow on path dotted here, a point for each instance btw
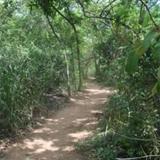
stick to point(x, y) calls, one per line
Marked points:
point(55, 139)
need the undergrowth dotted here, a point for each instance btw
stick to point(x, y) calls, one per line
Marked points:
point(130, 126)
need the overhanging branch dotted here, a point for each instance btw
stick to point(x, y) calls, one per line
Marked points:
point(150, 15)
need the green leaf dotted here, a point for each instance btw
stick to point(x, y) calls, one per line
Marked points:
point(156, 88)
point(132, 63)
point(149, 39)
point(158, 73)
point(139, 48)
point(156, 52)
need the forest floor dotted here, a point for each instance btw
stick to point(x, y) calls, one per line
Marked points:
point(56, 138)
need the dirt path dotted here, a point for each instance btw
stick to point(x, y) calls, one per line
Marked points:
point(55, 139)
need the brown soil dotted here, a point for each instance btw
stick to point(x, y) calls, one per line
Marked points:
point(56, 138)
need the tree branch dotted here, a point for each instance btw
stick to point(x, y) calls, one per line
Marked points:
point(110, 3)
point(84, 11)
point(52, 28)
point(150, 15)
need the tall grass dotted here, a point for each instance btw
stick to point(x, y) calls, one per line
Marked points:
point(25, 73)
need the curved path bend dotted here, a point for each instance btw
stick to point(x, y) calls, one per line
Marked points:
point(56, 138)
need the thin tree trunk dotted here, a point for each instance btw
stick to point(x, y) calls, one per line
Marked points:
point(73, 69)
point(68, 73)
point(65, 55)
point(78, 58)
point(97, 67)
point(77, 45)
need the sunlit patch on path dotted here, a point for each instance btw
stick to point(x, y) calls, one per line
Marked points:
point(55, 139)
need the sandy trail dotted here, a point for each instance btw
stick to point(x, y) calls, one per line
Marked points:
point(55, 139)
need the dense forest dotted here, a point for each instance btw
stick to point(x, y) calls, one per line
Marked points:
point(55, 45)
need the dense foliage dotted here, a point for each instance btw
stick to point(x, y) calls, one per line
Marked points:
point(128, 57)
point(28, 67)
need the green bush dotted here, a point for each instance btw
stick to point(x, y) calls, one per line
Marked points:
point(24, 77)
point(132, 114)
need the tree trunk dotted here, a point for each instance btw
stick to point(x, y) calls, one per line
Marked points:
point(73, 69)
point(65, 55)
point(78, 58)
point(67, 73)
